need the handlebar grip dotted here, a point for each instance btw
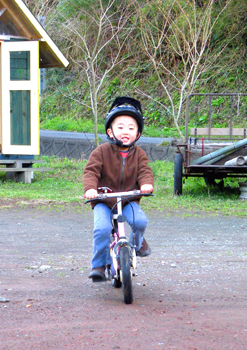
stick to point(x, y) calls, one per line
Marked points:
point(101, 197)
point(92, 200)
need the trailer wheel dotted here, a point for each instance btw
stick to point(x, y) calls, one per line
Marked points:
point(178, 163)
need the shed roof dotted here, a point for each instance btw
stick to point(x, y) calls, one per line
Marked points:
point(16, 20)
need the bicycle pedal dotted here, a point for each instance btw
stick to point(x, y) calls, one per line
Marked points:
point(99, 279)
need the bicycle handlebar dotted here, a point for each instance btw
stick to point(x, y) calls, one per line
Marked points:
point(134, 193)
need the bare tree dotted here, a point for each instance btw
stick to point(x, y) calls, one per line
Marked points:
point(177, 41)
point(94, 34)
point(41, 8)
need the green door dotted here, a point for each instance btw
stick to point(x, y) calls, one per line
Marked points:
point(20, 97)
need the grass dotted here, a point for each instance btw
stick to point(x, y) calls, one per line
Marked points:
point(63, 185)
point(86, 125)
point(63, 188)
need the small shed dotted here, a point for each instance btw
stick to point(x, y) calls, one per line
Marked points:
point(24, 48)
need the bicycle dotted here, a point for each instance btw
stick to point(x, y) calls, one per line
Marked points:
point(122, 252)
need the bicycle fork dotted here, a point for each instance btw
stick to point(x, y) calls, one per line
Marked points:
point(121, 241)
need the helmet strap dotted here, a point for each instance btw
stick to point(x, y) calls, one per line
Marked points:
point(119, 143)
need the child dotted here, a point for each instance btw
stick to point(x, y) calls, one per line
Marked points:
point(121, 166)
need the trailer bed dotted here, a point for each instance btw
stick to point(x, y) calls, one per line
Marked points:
point(207, 149)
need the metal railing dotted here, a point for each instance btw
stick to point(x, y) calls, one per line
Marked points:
point(211, 97)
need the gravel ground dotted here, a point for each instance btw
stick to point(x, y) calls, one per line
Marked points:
point(189, 294)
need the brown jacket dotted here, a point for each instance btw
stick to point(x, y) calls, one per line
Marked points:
point(106, 167)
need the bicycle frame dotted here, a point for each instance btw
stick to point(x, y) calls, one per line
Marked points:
point(123, 254)
point(120, 238)
point(119, 229)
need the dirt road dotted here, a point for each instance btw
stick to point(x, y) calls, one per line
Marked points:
point(189, 294)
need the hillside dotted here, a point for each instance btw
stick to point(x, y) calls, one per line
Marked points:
point(168, 50)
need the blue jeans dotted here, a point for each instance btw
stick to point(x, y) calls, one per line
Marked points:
point(102, 230)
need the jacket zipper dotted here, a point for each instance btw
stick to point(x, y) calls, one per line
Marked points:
point(123, 167)
point(122, 176)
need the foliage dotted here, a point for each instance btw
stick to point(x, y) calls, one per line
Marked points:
point(41, 8)
point(65, 124)
point(93, 36)
point(68, 92)
point(225, 111)
point(176, 36)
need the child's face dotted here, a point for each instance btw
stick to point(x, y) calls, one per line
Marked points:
point(125, 129)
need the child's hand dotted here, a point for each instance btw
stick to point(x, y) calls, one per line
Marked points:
point(90, 194)
point(147, 188)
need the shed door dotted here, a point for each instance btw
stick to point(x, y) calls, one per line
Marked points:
point(20, 97)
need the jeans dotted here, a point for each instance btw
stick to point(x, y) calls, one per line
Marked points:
point(102, 230)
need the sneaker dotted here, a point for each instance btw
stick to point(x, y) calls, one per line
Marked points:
point(98, 274)
point(145, 249)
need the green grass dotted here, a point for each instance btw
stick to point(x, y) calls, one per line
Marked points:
point(68, 124)
point(63, 188)
point(86, 125)
point(63, 185)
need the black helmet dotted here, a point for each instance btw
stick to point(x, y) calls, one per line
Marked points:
point(125, 106)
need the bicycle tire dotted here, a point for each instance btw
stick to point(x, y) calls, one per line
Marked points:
point(178, 166)
point(124, 256)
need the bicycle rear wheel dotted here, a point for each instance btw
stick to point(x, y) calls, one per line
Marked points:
point(124, 256)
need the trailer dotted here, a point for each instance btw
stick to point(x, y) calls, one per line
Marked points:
point(213, 153)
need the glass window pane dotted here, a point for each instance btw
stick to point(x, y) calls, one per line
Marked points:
point(20, 118)
point(20, 65)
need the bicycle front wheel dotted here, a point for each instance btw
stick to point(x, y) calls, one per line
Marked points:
point(124, 256)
